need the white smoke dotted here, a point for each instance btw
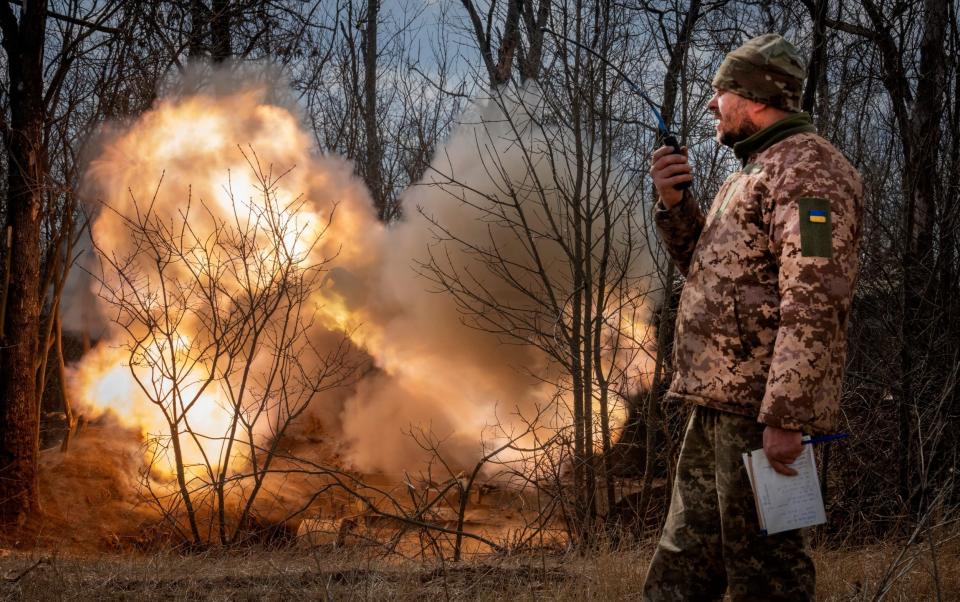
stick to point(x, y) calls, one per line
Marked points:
point(496, 195)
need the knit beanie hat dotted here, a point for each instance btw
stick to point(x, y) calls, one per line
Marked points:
point(766, 69)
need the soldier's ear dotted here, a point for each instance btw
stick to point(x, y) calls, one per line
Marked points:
point(754, 109)
point(764, 114)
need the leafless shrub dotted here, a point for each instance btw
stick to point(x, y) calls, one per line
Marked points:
point(220, 319)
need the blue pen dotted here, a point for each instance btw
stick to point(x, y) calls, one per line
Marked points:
point(825, 438)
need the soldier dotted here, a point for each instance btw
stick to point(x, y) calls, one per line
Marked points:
point(760, 334)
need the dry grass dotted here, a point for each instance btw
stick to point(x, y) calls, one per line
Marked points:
point(897, 572)
point(341, 575)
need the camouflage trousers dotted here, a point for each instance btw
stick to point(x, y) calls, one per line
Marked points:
point(711, 541)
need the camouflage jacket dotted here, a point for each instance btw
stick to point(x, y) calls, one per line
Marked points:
point(761, 327)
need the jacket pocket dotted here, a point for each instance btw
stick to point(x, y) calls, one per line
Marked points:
point(727, 333)
point(745, 346)
point(758, 317)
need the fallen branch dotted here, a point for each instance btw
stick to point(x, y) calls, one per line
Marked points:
point(41, 561)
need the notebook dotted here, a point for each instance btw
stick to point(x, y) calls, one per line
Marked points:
point(785, 503)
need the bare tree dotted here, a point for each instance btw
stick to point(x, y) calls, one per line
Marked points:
point(23, 40)
point(564, 265)
point(915, 93)
point(529, 51)
point(222, 316)
point(39, 219)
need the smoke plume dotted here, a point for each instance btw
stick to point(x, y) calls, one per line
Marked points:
point(439, 363)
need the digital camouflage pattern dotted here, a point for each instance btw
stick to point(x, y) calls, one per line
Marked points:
point(712, 540)
point(766, 69)
point(761, 326)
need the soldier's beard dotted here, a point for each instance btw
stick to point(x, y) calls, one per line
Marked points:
point(743, 130)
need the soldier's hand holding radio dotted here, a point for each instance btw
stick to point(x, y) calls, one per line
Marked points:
point(669, 170)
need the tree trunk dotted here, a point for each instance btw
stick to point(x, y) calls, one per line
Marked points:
point(71, 419)
point(510, 44)
point(374, 154)
point(19, 411)
point(198, 27)
point(671, 88)
point(535, 22)
point(817, 68)
point(920, 193)
point(220, 46)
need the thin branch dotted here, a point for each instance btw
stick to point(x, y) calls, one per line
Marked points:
point(74, 20)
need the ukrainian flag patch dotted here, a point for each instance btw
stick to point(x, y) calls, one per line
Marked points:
point(816, 227)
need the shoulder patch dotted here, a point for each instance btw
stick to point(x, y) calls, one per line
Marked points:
point(815, 227)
